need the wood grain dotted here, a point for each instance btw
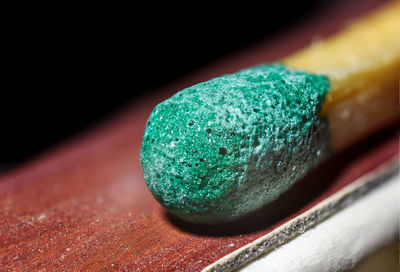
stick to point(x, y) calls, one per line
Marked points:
point(85, 207)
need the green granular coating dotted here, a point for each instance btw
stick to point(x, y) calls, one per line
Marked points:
point(223, 148)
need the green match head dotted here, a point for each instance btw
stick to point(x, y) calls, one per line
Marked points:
point(223, 148)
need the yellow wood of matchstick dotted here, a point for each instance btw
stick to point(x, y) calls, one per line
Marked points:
point(363, 65)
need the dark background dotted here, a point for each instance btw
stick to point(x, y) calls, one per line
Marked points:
point(67, 68)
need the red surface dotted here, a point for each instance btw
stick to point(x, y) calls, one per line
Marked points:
point(85, 206)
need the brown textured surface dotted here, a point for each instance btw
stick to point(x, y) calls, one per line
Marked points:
point(85, 205)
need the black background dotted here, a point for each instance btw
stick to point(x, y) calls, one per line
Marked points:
point(66, 68)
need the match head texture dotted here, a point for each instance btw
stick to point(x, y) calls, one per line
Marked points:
point(223, 148)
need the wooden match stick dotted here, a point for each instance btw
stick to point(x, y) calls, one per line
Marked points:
point(223, 148)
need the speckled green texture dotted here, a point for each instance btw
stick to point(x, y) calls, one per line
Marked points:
point(223, 148)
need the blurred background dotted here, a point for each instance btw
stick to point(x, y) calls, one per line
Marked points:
point(68, 68)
